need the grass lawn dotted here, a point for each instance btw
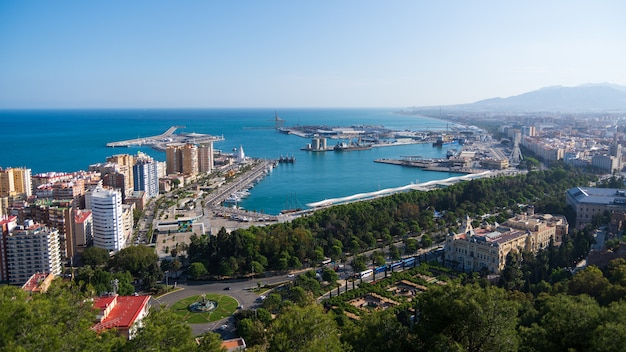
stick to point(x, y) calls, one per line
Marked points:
point(226, 306)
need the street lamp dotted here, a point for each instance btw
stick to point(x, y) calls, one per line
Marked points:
point(166, 282)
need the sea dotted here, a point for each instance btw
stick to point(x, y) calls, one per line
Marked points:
point(71, 140)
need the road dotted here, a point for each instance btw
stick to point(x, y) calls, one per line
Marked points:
point(238, 289)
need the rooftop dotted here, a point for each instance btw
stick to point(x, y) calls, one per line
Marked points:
point(124, 313)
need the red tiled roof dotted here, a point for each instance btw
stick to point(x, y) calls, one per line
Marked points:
point(124, 313)
point(233, 343)
point(80, 217)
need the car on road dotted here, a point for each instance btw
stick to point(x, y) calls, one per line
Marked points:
point(240, 306)
point(290, 275)
point(223, 327)
point(227, 288)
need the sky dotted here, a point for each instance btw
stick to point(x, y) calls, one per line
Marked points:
point(257, 54)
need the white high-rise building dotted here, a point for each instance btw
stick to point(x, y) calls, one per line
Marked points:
point(108, 225)
point(31, 249)
point(146, 176)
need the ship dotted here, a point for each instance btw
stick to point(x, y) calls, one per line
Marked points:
point(350, 146)
point(287, 159)
point(443, 142)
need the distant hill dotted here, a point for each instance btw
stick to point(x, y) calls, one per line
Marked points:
point(582, 98)
point(603, 97)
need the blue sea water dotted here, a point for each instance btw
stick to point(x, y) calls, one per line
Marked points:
point(71, 140)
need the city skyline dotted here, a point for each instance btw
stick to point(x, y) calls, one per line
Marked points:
point(284, 54)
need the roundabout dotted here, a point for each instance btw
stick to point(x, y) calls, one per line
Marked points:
point(205, 308)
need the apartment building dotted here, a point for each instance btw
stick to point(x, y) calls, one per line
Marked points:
point(83, 230)
point(32, 248)
point(182, 159)
point(15, 182)
point(108, 220)
point(146, 176)
point(7, 224)
point(205, 157)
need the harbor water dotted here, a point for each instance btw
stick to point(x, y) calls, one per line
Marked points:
point(71, 140)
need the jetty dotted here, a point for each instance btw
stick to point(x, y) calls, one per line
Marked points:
point(168, 137)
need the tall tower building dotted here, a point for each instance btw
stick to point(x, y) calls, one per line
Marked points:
point(15, 182)
point(205, 157)
point(173, 159)
point(146, 175)
point(126, 163)
point(182, 159)
point(31, 249)
point(190, 159)
point(108, 225)
point(7, 224)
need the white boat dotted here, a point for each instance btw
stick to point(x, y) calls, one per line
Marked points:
point(233, 198)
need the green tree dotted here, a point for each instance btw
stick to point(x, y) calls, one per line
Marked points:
point(162, 330)
point(329, 275)
point(272, 302)
point(210, 342)
point(479, 319)
point(197, 270)
point(379, 332)
point(58, 320)
point(304, 329)
point(562, 323)
point(589, 281)
point(135, 259)
point(95, 256)
point(252, 331)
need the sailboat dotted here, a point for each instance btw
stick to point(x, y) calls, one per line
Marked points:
point(292, 206)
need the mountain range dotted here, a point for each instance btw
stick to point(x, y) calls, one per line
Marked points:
point(595, 98)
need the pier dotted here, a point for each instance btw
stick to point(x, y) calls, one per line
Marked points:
point(257, 172)
point(161, 141)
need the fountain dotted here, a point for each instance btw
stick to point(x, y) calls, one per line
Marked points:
point(203, 306)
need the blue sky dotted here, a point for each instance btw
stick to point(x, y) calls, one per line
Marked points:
point(143, 54)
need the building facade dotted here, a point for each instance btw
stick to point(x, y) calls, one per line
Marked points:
point(108, 221)
point(83, 230)
point(487, 248)
point(32, 248)
point(7, 224)
point(205, 157)
point(15, 182)
point(588, 202)
point(146, 176)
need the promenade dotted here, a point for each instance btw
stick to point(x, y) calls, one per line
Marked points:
point(388, 191)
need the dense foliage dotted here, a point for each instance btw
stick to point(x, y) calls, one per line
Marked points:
point(129, 265)
point(60, 320)
point(365, 225)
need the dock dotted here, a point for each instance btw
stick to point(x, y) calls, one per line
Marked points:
point(160, 142)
